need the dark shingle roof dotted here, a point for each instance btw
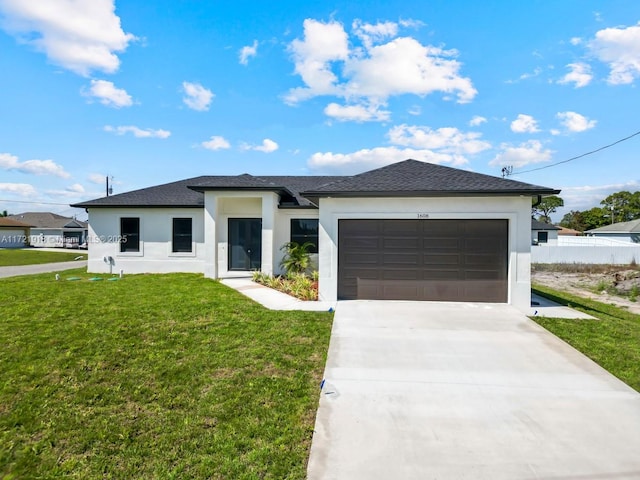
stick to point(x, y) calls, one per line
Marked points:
point(412, 177)
point(289, 187)
point(48, 220)
point(175, 194)
point(407, 178)
point(188, 192)
point(536, 225)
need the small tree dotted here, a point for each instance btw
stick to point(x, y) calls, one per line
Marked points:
point(546, 207)
point(296, 258)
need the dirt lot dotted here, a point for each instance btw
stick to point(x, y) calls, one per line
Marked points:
point(616, 285)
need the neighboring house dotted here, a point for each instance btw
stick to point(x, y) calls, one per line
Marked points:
point(569, 232)
point(543, 233)
point(621, 231)
point(53, 230)
point(408, 231)
point(13, 234)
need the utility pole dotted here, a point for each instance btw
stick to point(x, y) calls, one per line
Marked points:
point(612, 214)
point(109, 187)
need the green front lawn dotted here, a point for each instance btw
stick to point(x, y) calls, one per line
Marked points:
point(154, 376)
point(16, 257)
point(612, 341)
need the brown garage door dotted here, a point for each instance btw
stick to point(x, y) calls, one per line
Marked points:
point(444, 260)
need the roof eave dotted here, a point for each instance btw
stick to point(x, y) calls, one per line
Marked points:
point(447, 193)
point(135, 205)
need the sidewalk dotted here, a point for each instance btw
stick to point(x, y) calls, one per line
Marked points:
point(40, 268)
point(272, 299)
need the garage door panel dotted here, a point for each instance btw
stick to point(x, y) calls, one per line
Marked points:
point(399, 242)
point(393, 259)
point(358, 243)
point(399, 227)
point(449, 260)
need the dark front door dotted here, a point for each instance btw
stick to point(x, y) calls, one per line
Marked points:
point(245, 243)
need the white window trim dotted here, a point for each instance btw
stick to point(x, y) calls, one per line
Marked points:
point(171, 253)
point(140, 252)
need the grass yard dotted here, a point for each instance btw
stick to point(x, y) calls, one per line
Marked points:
point(14, 257)
point(154, 376)
point(612, 341)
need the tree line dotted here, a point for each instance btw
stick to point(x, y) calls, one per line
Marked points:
point(618, 207)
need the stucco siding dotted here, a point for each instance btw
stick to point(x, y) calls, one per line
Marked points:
point(14, 237)
point(155, 255)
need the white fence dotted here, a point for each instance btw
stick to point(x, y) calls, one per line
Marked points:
point(618, 255)
point(593, 241)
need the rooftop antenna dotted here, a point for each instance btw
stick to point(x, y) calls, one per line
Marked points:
point(109, 187)
point(506, 171)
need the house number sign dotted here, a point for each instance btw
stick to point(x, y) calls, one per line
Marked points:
point(423, 216)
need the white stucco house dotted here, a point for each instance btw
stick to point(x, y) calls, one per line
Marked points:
point(52, 230)
point(13, 233)
point(542, 233)
point(407, 231)
point(628, 232)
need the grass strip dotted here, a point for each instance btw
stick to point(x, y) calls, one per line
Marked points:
point(16, 257)
point(612, 341)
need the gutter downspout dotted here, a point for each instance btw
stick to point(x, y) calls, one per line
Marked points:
point(538, 201)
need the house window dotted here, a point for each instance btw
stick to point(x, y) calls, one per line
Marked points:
point(543, 237)
point(305, 230)
point(129, 234)
point(182, 235)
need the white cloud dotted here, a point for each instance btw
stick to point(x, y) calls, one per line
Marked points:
point(524, 154)
point(370, 34)
point(446, 139)
point(216, 143)
point(197, 97)
point(525, 124)
point(443, 145)
point(138, 132)
point(75, 188)
point(575, 41)
point(267, 146)
point(619, 48)
point(81, 36)
point(368, 75)
point(580, 75)
point(97, 178)
point(323, 43)
point(108, 94)
point(247, 52)
point(22, 189)
point(585, 197)
point(366, 159)
point(574, 122)
point(35, 167)
point(415, 110)
point(357, 113)
point(477, 120)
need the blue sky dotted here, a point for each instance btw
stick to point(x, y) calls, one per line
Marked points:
point(153, 92)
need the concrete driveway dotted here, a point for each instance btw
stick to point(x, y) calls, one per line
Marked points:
point(423, 390)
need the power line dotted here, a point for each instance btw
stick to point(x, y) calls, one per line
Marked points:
point(34, 203)
point(583, 155)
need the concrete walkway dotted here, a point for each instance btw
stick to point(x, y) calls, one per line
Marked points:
point(425, 390)
point(40, 268)
point(272, 299)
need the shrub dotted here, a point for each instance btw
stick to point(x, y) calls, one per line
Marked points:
point(296, 258)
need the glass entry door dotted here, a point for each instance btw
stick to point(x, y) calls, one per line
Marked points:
point(245, 243)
